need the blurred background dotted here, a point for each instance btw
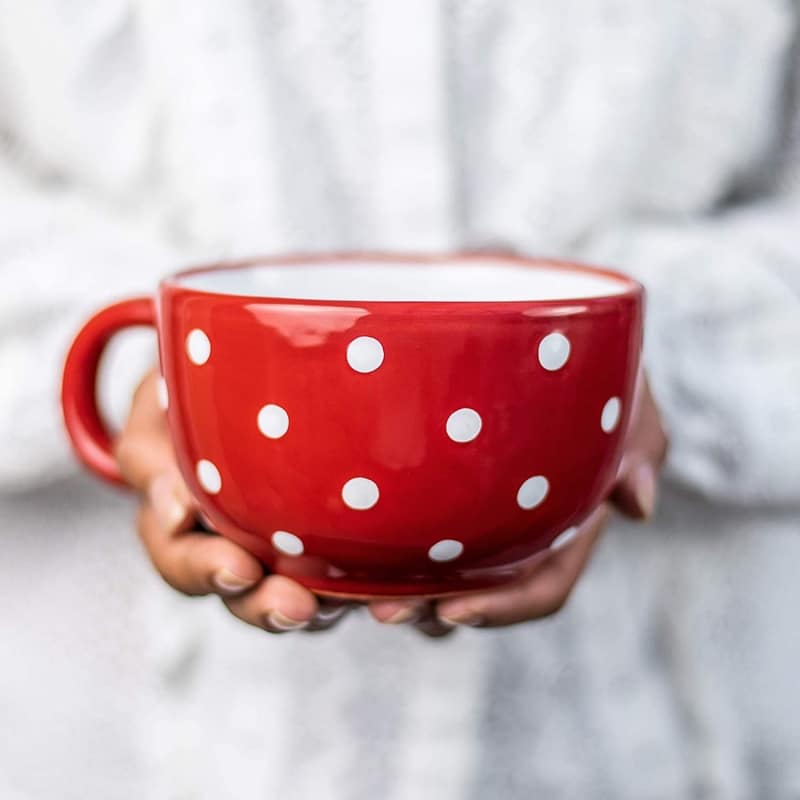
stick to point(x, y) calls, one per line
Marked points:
point(138, 137)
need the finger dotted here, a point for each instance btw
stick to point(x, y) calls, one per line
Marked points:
point(420, 614)
point(540, 594)
point(194, 562)
point(645, 451)
point(169, 498)
point(636, 492)
point(278, 604)
point(430, 625)
point(397, 612)
point(144, 450)
point(329, 614)
point(146, 458)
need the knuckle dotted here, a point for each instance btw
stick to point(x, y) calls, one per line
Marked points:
point(171, 576)
point(555, 603)
point(165, 569)
point(554, 596)
point(167, 575)
point(130, 454)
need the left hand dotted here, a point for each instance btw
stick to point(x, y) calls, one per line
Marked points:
point(547, 586)
point(190, 559)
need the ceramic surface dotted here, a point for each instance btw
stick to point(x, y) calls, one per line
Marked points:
point(377, 446)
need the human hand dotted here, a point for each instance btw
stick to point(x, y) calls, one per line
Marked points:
point(196, 563)
point(193, 561)
point(546, 587)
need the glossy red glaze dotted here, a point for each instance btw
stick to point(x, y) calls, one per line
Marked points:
point(88, 433)
point(388, 425)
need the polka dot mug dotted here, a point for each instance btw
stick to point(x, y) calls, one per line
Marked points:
point(376, 425)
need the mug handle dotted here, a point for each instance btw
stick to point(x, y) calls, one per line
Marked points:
point(88, 432)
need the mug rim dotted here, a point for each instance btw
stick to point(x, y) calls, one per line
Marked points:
point(632, 289)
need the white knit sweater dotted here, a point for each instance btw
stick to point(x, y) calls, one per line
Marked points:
point(658, 137)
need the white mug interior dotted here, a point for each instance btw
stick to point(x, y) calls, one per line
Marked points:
point(458, 280)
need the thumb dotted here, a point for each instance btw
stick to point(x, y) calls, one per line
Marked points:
point(645, 450)
point(636, 493)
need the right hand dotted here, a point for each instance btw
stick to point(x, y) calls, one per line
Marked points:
point(196, 562)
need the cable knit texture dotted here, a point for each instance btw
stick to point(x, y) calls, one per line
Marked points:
point(661, 138)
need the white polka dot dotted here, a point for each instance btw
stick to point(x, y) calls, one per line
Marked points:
point(609, 419)
point(273, 421)
point(198, 347)
point(287, 543)
point(564, 538)
point(365, 354)
point(446, 550)
point(209, 476)
point(533, 492)
point(554, 351)
point(163, 393)
point(464, 425)
point(360, 493)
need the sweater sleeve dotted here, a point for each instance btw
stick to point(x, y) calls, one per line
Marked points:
point(722, 345)
point(61, 257)
point(78, 213)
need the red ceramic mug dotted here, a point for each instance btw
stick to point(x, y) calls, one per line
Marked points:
point(376, 425)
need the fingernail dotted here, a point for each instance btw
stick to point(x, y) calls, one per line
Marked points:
point(169, 509)
point(468, 618)
point(403, 615)
point(331, 613)
point(645, 489)
point(230, 583)
point(278, 620)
